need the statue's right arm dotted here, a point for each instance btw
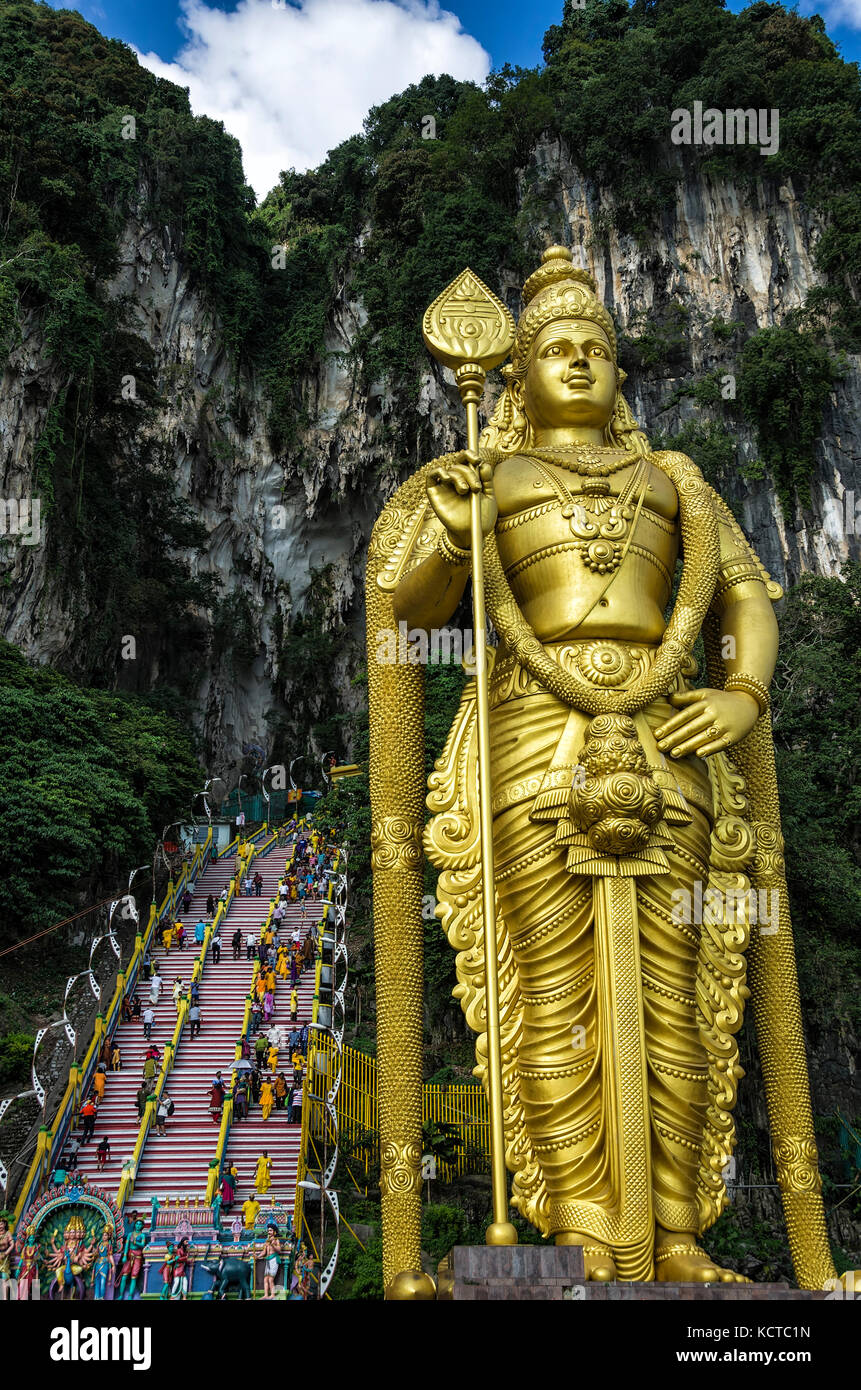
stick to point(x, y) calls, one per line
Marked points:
point(428, 595)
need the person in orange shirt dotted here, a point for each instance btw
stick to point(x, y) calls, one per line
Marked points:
point(260, 986)
point(270, 980)
point(99, 1085)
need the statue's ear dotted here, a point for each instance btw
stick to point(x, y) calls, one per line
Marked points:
point(621, 377)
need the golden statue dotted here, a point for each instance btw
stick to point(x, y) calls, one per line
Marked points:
point(637, 862)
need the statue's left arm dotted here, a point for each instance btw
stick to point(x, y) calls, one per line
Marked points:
point(745, 628)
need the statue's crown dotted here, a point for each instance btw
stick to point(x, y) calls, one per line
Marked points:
point(556, 267)
point(557, 290)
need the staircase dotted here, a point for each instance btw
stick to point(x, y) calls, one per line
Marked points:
point(117, 1115)
point(176, 1164)
point(277, 1135)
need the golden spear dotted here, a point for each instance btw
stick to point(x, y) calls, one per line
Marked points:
point(468, 329)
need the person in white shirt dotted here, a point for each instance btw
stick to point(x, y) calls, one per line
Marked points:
point(156, 985)
point(148, 1020)
point(249, 946)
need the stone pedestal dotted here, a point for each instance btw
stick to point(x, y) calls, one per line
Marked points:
point(554, 1273)
point(518, 1272)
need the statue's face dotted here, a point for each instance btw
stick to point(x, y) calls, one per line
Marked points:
point(571, 378)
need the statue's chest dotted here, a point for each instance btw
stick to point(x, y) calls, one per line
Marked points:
point(546, 511)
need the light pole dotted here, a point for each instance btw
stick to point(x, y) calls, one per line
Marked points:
point(266, 797)
point(206, 794)
point(293, 786)
point(167, 863)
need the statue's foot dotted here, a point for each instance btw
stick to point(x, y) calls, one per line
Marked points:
point(685, 1263)
point(597, 1259)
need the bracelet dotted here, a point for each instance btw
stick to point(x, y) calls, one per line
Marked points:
point(451, 553)
point(750, 686)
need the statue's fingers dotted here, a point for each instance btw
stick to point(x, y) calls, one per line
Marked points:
point(694, 728)
point(686, 697)
point(715, 745)
point(465, 478)
point(699, 737)
point(678, 721)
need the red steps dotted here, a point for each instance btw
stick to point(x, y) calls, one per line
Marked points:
point(177, 1163)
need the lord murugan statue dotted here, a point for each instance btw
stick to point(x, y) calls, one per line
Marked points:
point(624, 789)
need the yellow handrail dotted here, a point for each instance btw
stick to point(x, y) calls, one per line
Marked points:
point(227, 1113)
point(44, 1156)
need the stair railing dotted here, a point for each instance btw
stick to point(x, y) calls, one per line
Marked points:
point(217, 1161)
point(51, 1139)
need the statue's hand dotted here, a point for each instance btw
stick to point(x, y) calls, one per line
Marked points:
point(449, 490)
point(709, 721)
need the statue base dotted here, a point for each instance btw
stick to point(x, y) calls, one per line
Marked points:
point(554, 1273)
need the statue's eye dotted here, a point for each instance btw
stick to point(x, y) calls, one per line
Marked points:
point(598, 352)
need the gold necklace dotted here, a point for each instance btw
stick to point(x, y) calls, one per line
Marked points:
point(585, 459)
point(601, 524)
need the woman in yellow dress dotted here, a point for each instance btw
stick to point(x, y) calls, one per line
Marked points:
point(267, 1099)
point(260, 986)
point(270, 979)
point(167, 937)
point(262, 1179)
point(272, 1059)
point(282, 962)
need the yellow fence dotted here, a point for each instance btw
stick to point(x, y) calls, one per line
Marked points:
point(457, 1114)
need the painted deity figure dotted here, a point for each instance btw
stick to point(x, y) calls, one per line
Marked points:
point(70, 1260)
point(7, 1250)
point(28, 1266)
point(181, 1270)
point(167, 1270)
point(627, 787)
point(131, 1268)
point(272, 1250)
point(103, 1266)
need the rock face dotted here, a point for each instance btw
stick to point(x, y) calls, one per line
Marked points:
point(276, 522)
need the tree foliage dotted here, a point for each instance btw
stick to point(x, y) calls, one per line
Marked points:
point(87, 781)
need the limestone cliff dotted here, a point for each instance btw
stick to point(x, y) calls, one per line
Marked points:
point(274, 521)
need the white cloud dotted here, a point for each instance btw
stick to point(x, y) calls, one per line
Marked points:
point(846, 13)
point(291, 81)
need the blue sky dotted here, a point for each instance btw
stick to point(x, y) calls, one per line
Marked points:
point(293, 78)
point(510, 30)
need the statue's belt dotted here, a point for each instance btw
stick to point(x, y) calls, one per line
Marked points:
point(684, 783)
